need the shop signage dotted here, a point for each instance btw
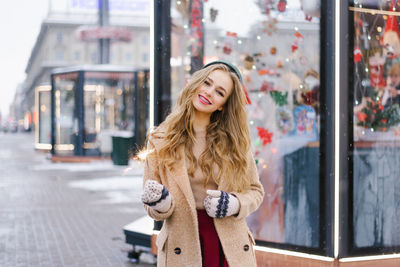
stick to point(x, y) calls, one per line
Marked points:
point(114, 33)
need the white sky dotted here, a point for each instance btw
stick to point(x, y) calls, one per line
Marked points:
point(20, 22)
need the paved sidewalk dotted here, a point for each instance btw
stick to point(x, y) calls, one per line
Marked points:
point(63, 214)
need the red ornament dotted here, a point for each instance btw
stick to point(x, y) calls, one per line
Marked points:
point(227, 50)
point(362, 116)
point(231, 34)
point(357, 54)
point(298, 35)
point(265, 135)
point(294, 47)
point(282, 6)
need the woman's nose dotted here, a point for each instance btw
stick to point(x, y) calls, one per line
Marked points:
point(208, 90)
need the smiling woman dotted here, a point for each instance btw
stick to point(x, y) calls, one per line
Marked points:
point(212, 95)
point(200, 176)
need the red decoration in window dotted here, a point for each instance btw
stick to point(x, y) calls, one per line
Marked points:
point(265, 135)
point(282, 6)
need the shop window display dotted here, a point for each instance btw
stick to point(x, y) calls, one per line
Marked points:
point(92, 104)
point(375, 153)
point(43, 111)
point(65, 90)
point(276, 45)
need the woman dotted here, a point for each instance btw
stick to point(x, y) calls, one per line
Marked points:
point(200, 176)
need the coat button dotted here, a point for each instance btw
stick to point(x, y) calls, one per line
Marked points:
point(246, 247)
point(177, 251)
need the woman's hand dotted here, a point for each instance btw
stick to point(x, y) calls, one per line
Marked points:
point(219, 204)
point(156, 196)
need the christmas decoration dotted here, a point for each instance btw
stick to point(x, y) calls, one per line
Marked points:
point(231, 34)
point(248, 62)
point(376, 70)
point(282, 6)
point(271, 71)
point(305, 122)
point(284, 120)
point(265, 135)
point(213, 14)
point(391, 35)
point(266, 5)
point(295, 46)
point(311, 8)
point(297, 41)
point(374, 116)
point(357, 54)
point(227, 49)
point(272, 50)
point(279, 98)
point(269, 26)
point(267, 87)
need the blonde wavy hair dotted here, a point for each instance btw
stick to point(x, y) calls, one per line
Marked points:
point(227, 135)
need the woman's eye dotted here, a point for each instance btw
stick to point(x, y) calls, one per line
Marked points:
point(207, 82)
point(220, 93)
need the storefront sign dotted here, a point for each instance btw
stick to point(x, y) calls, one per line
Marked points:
point(95, 33)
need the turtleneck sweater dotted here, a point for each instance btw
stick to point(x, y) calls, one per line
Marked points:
point(198, 178)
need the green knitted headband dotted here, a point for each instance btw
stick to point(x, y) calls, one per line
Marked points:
point(231, 66)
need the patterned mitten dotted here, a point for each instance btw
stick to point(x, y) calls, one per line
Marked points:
point(156, 196)
point(220, 204)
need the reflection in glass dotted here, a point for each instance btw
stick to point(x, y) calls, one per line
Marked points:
point(66, 129)
point(276, 46)
point(44, 115)
point(376, 124)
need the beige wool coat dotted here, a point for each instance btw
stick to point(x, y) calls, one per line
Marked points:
point(178, 241)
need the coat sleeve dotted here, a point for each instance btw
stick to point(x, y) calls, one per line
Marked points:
point(151, 172)
point(251, 199)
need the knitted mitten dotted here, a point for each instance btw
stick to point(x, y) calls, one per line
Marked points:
point(156, 196)
point(220, 204)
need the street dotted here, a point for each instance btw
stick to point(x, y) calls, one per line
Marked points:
point(64, 214)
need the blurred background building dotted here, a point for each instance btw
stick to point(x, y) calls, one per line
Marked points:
point(69, 36)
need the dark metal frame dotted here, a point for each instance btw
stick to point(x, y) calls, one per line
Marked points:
point(162, 55)
point(162, 84)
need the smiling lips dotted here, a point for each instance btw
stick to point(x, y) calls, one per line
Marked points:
point(204, 100)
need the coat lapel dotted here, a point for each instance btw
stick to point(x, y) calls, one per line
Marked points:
point(179, 174)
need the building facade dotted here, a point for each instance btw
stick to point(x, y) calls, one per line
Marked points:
point(68, 37)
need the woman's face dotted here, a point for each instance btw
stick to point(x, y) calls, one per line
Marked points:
point(213, 93)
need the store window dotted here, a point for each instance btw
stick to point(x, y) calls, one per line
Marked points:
point(93, 104)
point(375, 149)
point(66, 119)
point(43, 111)
point(276, 45)
point(109, 101)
